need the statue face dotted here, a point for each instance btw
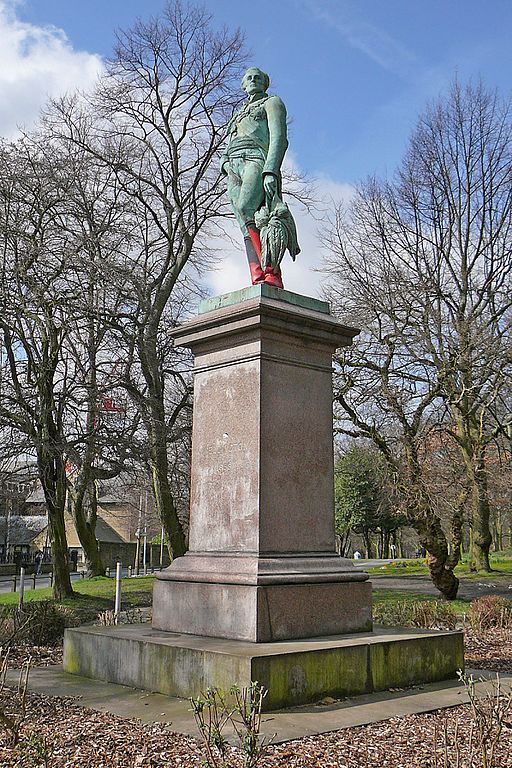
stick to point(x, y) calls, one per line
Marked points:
point(255, 81)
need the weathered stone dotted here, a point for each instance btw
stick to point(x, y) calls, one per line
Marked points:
point(295, 672)
point(262, 562)
point(262, 289)
point(262, 570)
point(264, 613)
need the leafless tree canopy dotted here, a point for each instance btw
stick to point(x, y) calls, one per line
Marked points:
point(423, 264)
point(105, 217)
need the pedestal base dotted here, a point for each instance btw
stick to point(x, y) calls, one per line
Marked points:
point(294, 672)
point(262, 614)
point(262, 598)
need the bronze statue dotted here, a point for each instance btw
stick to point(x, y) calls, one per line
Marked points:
point(257, 142)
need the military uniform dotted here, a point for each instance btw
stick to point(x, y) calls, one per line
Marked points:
point(257, 144)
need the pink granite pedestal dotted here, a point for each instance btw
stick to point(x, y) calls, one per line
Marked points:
point(262, 563)
point(262, 595)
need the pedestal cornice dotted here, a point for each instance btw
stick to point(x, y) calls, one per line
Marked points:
point(260, 315)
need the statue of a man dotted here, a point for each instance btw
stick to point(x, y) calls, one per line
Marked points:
point(257, 142)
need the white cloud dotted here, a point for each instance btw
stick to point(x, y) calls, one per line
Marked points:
point(36, 62)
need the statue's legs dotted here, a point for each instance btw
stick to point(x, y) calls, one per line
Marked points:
point(245, 189)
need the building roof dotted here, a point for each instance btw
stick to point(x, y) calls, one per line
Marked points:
point(23, 529)
point(36, 497)
point(105, 532)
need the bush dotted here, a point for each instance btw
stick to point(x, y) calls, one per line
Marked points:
point(427, 614)
point(37, 623)
point(490, 611)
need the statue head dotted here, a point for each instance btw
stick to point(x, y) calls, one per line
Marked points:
point(255, 81)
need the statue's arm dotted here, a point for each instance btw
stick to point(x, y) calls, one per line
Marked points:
point(276, 116)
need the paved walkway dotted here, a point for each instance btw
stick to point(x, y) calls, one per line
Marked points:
point(287, 724)
point(498, 584)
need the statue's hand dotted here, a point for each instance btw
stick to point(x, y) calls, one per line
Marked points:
point(270, 186)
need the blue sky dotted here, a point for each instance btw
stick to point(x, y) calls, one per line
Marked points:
point(354, 74)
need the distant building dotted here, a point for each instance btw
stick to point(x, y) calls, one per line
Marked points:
point(116, 524)
point(124, 516)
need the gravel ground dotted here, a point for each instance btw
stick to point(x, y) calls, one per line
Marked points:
point(74, 737)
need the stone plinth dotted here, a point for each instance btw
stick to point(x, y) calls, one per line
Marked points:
point(262, 571)
point(294, 672)
point(262, 563)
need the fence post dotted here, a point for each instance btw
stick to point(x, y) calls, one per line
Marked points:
point(22, 587)
point(129, 571)
point(117, 607)
point(13, 584)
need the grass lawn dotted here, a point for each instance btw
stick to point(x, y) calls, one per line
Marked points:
point(501, 564)
point(391, 596)
point(92, 596)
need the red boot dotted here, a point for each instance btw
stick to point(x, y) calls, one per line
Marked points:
point(253, 250)
point(273, 278)
point(257, 275)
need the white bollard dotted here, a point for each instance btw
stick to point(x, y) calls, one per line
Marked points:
point(22, 587)
point(117, 608)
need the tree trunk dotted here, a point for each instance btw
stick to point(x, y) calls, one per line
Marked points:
point(432, 537)
point(61, 579)
point(164, 500)
point(53, 481)
point(385, 544)
point(481, 539)
point(156, 427)
point(473, 453)
point(85, 526)
point(86, 533)
point(439, 562)
point(82, 494)
point(51, 464)
point(368, 544)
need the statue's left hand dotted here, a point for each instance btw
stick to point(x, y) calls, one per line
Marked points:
point(270, 186)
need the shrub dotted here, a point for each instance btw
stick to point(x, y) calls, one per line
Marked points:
point(490, 611)
point(36, 623)
point(241, 709)
point(393, 614)
point(434, 614)
point(13, 703)
point(427, 614)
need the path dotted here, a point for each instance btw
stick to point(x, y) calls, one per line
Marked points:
point(469, 589)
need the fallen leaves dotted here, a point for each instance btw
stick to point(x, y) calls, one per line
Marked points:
point(83, 738)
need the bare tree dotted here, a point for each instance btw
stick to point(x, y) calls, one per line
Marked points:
point(33, 297)
point(56, 222)
point(381, 396)
point(427, 257)
point(101, 430)
point(157, 119)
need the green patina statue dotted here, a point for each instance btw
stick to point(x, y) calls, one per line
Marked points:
point(257, 142)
